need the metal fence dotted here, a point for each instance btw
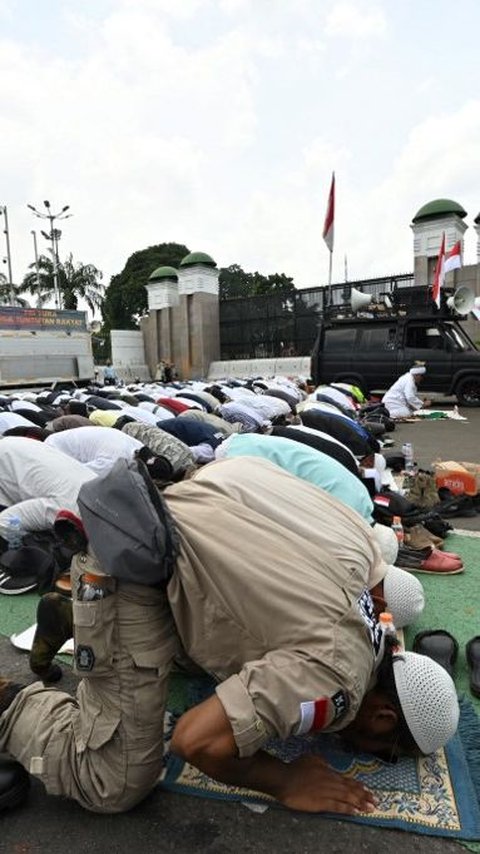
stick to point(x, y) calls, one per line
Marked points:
point(285, 323)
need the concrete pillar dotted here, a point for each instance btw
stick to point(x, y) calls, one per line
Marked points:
point(196, 322)
point(162, 289)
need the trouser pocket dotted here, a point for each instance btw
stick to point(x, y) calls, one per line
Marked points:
point(150, 677)
point(97, 721)
point(94, 627)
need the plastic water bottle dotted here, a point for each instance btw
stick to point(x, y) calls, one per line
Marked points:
point(408, 454)
point(14, 533)
point(388, 636)
point(387, 625)
point(397, 529)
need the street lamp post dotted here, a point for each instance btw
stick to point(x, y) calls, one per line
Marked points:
point(37, 268)
point(53, 237)
point(3, 210)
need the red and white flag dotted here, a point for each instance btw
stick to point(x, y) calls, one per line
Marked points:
point(453, 258)
point(328, 225)
point(439, 274)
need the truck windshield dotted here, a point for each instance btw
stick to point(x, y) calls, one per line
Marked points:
point(457, 337)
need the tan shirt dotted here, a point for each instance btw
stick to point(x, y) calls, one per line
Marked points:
point(265, 597)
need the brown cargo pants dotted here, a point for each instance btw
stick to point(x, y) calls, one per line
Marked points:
point(103, 747)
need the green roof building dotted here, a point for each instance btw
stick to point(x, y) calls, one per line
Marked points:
point(433, 220)
point(164, 273)
point(439, 208)
point(198, 273)
point(197, 258)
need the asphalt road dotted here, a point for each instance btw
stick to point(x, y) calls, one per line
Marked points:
point(174, 823)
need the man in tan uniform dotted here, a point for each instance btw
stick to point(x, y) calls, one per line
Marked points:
point(277, 609)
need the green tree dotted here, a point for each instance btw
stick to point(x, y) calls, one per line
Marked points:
point(126, 296)
point(272, 284)
point(6, 293)
point(235, 282)
point(75, 282)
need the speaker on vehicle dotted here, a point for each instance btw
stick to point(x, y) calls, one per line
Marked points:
point(359, 300)
point(462, 301)
point(476, 308)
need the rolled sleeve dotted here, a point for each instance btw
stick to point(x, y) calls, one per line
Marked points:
point(248, 728)
point(267, 697)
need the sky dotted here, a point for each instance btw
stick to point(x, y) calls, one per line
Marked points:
point(218, 123)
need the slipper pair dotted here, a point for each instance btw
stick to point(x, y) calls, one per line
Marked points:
point(439, 645)
point(472, 654)
point(442, 647)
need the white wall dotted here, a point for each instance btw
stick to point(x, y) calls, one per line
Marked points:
point(289, 367)
point(128, 353)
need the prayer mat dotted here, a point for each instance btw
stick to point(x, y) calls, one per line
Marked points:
point(434, 795)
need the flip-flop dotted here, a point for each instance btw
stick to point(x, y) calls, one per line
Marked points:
point(441, 646)
point(472, 653)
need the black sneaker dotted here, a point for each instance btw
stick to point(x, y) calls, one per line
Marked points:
point(14, 585)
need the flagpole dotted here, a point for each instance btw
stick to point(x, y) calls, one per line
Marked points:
point(330, 263)
point(328, 230)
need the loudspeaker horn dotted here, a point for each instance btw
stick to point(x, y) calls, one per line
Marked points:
point(462, 301)
point(358, 300)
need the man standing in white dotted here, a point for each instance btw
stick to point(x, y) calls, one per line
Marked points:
point(36, 482)
point(401, 398)
point(96, 447)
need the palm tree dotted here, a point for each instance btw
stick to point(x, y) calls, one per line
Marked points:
point(6, 293)
point(75, 282)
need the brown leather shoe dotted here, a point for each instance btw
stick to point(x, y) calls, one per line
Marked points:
point(419, 537)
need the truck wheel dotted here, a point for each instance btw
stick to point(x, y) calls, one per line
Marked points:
point(468, 391)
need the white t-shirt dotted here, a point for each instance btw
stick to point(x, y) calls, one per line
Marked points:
point(36, 481)
point(11, 419)
point(96, 447)
point(24, 404)
point(140, 414)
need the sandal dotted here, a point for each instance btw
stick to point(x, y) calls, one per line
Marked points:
point(441, 646)
point(472, 653)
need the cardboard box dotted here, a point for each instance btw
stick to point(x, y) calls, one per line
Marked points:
point(459, 478)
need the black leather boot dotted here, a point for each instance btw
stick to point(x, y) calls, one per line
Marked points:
point(54, 627)
point(14, 783)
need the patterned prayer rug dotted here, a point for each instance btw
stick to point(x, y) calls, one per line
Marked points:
point(434, 795)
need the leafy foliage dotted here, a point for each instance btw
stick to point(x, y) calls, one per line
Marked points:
point(75, 281)
point(6, 293)
point(126, 296)
point(235, 282)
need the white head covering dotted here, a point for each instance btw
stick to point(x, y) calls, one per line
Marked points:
point(428, 699)
point(386, 541)
point(404, 595)
point(418, 369)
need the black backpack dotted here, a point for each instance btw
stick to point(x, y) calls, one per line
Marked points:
point(129, 526)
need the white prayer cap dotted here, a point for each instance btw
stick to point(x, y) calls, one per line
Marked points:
point(428, 699)
point(404, 596)
point(386, 541)
point(418, 369)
